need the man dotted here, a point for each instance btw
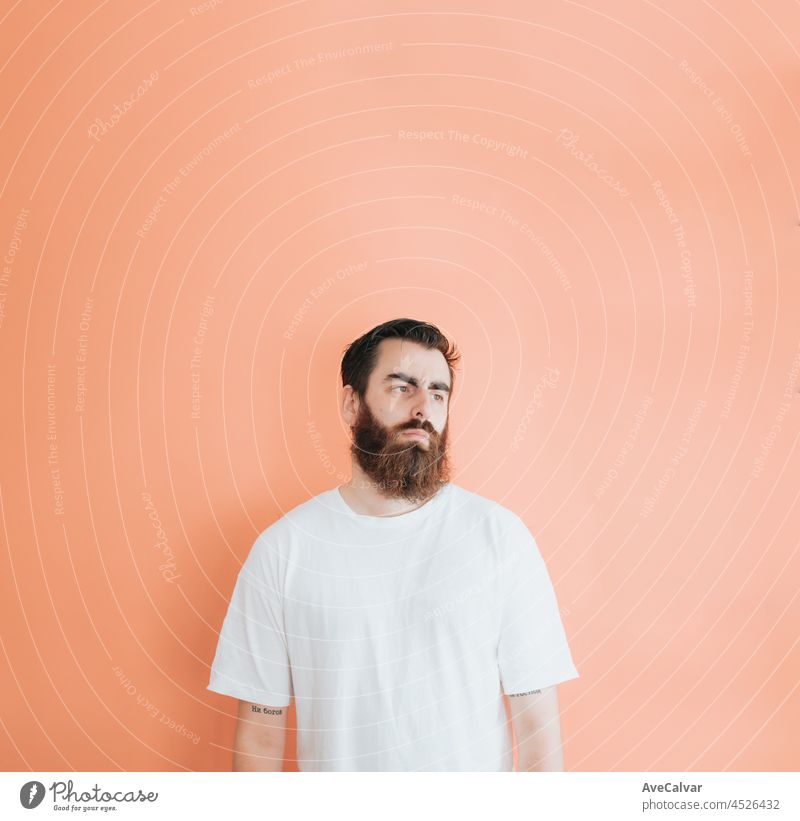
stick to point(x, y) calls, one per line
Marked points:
point(398, 608)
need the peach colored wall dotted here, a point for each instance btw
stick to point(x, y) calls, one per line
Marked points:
point(605, 219)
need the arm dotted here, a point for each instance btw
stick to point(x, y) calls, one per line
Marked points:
point(260, 736)
point(536, 724)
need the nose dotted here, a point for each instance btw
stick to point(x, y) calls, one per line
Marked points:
point(422, 406)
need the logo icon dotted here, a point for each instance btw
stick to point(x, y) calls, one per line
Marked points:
point(31, 794)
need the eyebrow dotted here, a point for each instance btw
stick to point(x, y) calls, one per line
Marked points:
point(437, 386)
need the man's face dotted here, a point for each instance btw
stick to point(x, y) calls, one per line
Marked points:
point(400, 428)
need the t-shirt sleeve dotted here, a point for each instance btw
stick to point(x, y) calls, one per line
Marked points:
point(532, 650)
point(252, 659)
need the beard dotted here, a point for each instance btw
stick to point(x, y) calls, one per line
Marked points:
point(400, 466)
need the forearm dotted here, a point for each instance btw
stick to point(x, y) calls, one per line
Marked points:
point(540, 750)
point(257, 754)
point(537, 728)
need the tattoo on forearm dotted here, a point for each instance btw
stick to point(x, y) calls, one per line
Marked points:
point(255, 708)
point(529, 693)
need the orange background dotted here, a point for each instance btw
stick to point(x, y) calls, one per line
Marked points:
point(607, 226)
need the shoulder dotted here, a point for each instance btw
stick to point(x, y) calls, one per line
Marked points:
point(310, 516)
point(505, 528)
point(484, 506)
point(276, 538)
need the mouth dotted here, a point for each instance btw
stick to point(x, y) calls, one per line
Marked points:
point(416, 433)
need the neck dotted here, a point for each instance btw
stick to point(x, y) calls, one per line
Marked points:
point(362, 495)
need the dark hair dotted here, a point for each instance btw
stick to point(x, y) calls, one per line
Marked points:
point(360, 356)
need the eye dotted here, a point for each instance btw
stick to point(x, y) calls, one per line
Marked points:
point(439, 396)
point(400, 387)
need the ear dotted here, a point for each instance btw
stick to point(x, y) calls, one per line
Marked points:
point(349, 406)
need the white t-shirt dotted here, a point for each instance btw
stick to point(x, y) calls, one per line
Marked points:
point(395, 635)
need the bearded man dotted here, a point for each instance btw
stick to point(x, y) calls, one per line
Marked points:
point(399, 609)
